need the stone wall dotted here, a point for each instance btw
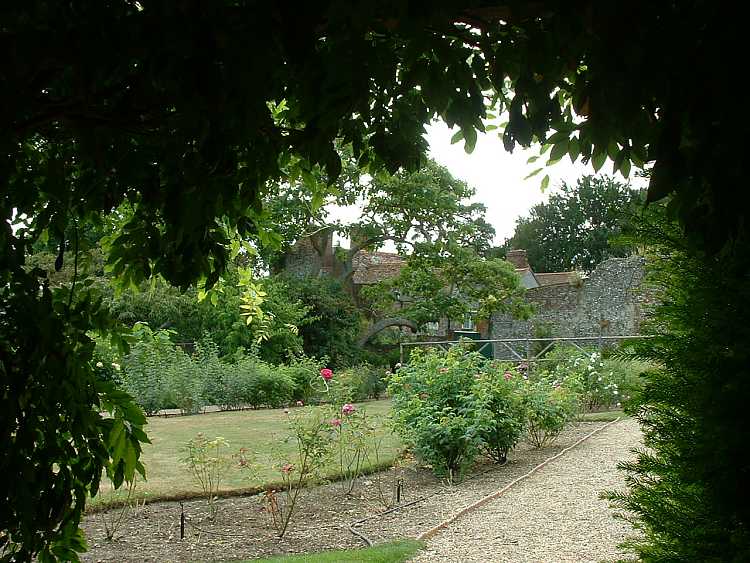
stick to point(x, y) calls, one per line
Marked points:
point(607, 303)
point(311, 256)
point(303, 260)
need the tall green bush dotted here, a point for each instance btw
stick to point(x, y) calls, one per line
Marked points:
point(151, 371)
point(212, 371)
point(496, 393)
point(269, 386)
point(688, 488)
point(435, 409)
point(303, 370)
point(362, 382)
point(160, 375)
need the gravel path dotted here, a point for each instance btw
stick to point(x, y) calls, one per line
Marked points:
point(554, 515)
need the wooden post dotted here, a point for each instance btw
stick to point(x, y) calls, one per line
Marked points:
point(528, 357)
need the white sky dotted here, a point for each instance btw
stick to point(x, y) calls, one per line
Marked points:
point(497, 175)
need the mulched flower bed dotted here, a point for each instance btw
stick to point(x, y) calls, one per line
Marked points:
point(242, 529)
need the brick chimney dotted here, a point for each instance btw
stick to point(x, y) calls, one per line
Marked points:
point(518, 258)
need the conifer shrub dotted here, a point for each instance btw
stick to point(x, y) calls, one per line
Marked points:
point(688, 490)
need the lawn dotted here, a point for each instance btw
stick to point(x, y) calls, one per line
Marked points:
point(260, 431)
point(391, 552)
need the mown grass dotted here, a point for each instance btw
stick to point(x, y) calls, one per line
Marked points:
point(391, 552)
point(262, 432)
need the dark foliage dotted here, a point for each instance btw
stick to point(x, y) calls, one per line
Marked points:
point(188, 110)
point(336, 321)
point(578, 227)
point(688, 489)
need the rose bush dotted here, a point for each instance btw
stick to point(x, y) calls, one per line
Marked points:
point(449, 406)
point(497, 394)
point(548, 409)
point(436, 411)
point(599, 383)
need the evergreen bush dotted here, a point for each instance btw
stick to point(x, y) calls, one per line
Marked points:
point(688, 492)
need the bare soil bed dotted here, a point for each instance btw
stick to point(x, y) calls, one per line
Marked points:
point(242, 529)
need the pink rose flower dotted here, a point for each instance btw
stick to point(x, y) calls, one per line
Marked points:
point(508, 376)
point(287, 468)
point(335, 422)
point(300, 404)
point(443, 370)
point(326, 374)
point(348, 409)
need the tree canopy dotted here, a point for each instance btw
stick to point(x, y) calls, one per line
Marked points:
point(192, 111)
point(578, 227)
point(447, 283)
point(428, 207)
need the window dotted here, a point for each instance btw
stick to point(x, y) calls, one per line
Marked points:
point(468, 323)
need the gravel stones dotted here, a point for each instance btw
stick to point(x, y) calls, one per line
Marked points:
point(554, 515)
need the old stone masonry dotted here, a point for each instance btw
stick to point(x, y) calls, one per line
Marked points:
point(611, 301)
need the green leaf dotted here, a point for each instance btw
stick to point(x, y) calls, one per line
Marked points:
point(470, 136)
point(574, 149)
point(457, 136)
point(559, 150)
point(625, 168)
point(534, 173)
point(557, 137)
point(661, 183)
point(613, 149)
point(597, 161)
point(309, 179)
point(317, 200)
point(545, 183)
point(532, 159)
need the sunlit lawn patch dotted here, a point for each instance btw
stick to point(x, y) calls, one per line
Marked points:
point(260, 431)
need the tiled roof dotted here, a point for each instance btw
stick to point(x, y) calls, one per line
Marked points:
point(372, 267)
point(554, 278)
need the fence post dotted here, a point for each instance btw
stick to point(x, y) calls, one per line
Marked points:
point(401, 353)
point(528, 357)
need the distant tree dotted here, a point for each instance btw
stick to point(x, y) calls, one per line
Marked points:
point(435, 285)
point(335, 321)
point(578, 227)
point(428, 206)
